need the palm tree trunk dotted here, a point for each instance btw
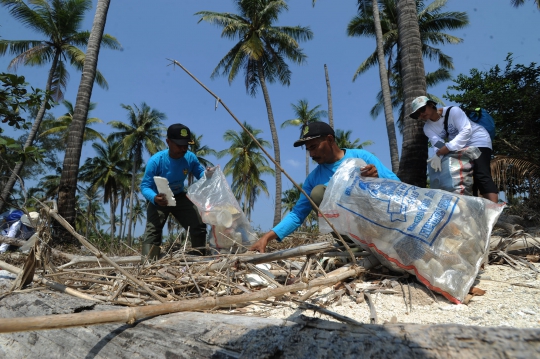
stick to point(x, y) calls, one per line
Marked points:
point(275, 141)
point(113, 223)
point(70, 171)
point(122, 221)
point(388, 112)
point(307, 163)
point(133, 169)
point(412, 166)
point(6, 191)
point(329, 96)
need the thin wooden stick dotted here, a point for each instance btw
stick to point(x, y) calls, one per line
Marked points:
point(342, 318)
point(372, 311)
point(404, 297)
point(89, 259)
point(187, 265)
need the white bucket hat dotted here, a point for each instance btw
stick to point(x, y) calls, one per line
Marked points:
point(418, 103)
point(31, 219)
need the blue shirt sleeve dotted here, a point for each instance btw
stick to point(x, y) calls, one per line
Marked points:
point(148, 186)
point(298, 214)
point(195, 166)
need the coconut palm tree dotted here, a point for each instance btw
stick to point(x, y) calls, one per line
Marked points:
point(329, 97)
point(107, 170)
point(343, 140)
point(304, 116)
point(261, 52)
point(518, 3)
point(138, 213)
point(61, 125)
point(431, 21)
point(72, 158)
point(247, 165)
point(143, 133)
point(200, 152)
point(385, 88)
point(59, 21)
point(92, 209)
point(412, 164)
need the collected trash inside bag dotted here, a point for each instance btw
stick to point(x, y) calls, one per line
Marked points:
point(230, 229)
point(438, 236)
point(456, 174)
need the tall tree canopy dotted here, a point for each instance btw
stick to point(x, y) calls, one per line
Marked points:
point(260, 52)
point(143, 133)
point(246, 166)
point(59, 21)
point(432, 23)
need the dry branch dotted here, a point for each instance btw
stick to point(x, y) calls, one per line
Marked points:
point(53, 285)
point(89, 260)
point(288, 253)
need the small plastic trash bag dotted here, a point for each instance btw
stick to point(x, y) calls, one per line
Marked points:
point(456, 174)
point(230, 230)
point(438, 236)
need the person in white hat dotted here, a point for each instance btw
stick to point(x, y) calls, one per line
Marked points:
point(23, 228)
point(461, 133)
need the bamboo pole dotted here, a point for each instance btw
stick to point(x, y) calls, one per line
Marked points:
point(131, 314)
point(288, 253)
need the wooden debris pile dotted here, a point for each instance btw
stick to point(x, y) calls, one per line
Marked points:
point(179, 281)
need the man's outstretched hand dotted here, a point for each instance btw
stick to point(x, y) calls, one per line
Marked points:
point(261, 244)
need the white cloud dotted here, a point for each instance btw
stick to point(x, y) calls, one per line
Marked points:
point(294, 163)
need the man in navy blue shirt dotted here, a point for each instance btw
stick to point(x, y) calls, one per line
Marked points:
point(319, 139)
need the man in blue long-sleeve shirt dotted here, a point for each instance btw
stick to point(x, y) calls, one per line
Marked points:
point(319, 139)
point(175, 164)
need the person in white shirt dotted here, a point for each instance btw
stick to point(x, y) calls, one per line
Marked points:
point(462, 133)
point(22, 228)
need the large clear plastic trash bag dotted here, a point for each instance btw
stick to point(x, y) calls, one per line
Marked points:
point(438, 236)
point(456, 174)
point(230, 230)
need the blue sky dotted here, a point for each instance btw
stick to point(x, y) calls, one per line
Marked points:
point(152, 31)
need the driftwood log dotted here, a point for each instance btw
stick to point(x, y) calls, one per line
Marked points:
point(203, 335)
